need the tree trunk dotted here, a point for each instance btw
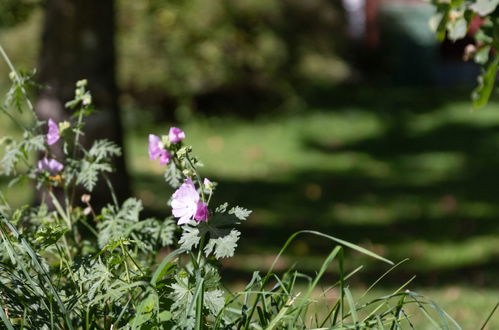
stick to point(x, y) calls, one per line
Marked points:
point(78, 43)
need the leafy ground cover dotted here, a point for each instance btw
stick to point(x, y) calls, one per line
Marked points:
point(408, 174)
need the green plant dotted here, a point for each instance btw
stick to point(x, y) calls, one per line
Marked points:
point(65, 265)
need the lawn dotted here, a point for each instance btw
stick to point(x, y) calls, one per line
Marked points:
point(407, 174)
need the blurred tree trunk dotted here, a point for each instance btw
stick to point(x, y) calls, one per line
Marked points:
point(78, 43)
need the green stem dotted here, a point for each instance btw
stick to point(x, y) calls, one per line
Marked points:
point(198, 178)
point(13, 70)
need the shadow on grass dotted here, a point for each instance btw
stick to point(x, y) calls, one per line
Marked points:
point(436, 201)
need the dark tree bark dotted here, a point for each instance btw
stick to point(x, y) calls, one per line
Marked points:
point(78, 43)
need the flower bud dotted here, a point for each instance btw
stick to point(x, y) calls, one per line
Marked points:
point(165, 141)
point(188, 173)
point(81, 83)
point(469, 52)
point(208, 185)
point(64, 125)
point(87, 210)
point(182, 152)
point(85, 198)
point(87, 99)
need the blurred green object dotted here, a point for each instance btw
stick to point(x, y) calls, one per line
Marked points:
point(13, 12)
point(409, 49)
point(228, 55)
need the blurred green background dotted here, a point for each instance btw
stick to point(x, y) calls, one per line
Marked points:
point(313, 127)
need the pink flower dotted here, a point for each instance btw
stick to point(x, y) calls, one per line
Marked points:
point(156, 150)
point(186, 205)
point(50, 165)
point(53, 132)
point(201, 212)
point(164, 157)
point(176, 135)
point(155, 146)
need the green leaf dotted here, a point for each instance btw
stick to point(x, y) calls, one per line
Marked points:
point(97, 160)
point(190, 238)
point(173, 176)
point(482, 55)
point(486, 81)
point(116, 223)
point(165, 316)
point(214, 300)
point(223, 247)
point(484, 7)
point(89, 173)
point(457, 29)
point(11, 158)
point(164, 266)
point(104, 149)
point(241, 213)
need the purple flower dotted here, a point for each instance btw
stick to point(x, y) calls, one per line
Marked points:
point(156, 150)
point(164, 157)
point(53, 132)
point(201, 212)
point(176, 135)
point(186, 205)
point(155, 146)
point(50, 165)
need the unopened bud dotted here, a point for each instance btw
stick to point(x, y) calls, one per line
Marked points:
point(469, 52)
point(182, 152)
point(64, 125)
point(87, 99)
point(85, 198)
point(81, 83)
point(87, 210)
point(208, 185)
point(165, 141)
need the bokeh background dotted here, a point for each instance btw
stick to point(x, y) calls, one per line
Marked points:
point(346, 117)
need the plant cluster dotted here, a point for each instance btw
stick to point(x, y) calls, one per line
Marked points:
point(455, 20)
point(65, 265)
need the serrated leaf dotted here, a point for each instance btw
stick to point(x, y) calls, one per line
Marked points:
point(89, 173)
point(222, 208)
point(116, 223)
point(214, 300)
point(223, 247)
point(240, 212)
point(190, 238)
point(486, 81)
point(34, 143)
point(11, 158)
point(484, 7)
point(103, 149)
point(173, 176)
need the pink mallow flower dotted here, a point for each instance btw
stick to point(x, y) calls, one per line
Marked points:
point(201, 212)
point(176, 135)
point(53, 132)
point(156, 150)
point(164, 157)
point(186, 205)
point(50, 165)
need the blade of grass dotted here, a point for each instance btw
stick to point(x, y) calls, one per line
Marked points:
point(351, 305)
point(5, 319)
point(382, 276)
point(490, 316)
point(163, 266)
point(42, 271)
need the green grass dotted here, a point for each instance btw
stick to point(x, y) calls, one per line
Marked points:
point(409, 174)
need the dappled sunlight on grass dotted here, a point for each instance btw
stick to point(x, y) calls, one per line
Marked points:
point(407, 182)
